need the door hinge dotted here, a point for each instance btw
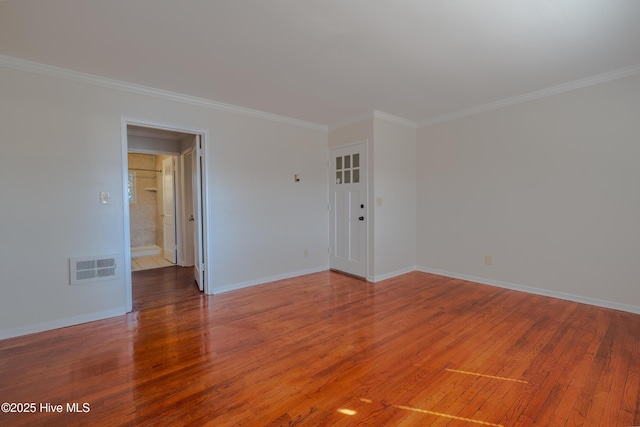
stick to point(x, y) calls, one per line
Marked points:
point(328, 206)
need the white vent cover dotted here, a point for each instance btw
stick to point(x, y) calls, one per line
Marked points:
point(93, 269)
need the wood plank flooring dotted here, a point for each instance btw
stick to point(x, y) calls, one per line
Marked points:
point(329, 350)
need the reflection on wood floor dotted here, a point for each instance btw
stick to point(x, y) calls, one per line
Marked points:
point(329, 350)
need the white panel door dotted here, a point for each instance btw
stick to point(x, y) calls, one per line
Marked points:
point(348, 209)
point(168, 210)
point(186, 163)
point(198, 247)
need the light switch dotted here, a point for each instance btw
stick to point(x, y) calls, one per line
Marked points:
point(378, 201)
point(105, 198)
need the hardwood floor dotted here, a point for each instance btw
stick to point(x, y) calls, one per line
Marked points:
point(329, 350)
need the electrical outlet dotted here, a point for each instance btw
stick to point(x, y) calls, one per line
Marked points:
point(105, 198)
point(306, 253)
point(487, 259)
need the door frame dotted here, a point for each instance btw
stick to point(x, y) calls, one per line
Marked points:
point(368, 210)
point(204, 138)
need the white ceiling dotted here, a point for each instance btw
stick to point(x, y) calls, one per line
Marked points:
point(326, 61)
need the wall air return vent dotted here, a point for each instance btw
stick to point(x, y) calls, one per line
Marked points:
point(93, 269)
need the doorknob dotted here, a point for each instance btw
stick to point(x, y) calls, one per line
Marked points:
point(361, 218)
point(191, 218)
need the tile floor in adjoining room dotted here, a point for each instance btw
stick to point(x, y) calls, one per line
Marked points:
point(149, 262)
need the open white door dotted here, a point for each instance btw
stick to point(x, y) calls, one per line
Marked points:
point(199, 255)
point(348, 209)
point(186, 163)
point(168, 210)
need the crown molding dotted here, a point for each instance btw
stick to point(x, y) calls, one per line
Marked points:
point(394, 119)
point(632, 70)
point(48, 70)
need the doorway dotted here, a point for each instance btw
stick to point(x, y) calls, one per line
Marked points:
point(152, 219)
point(348, 216)
point(180, 198)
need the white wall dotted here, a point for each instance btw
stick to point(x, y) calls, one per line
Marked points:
point(263, 219)
point(66, 148)
point(394, 184)
point(549, 188)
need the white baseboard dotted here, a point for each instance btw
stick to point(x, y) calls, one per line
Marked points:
point(537, 291)
point(76, 320)
point(236, 286)
point(60, 323)
point(375, 279)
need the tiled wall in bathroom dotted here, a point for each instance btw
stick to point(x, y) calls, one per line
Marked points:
point(143, 213)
